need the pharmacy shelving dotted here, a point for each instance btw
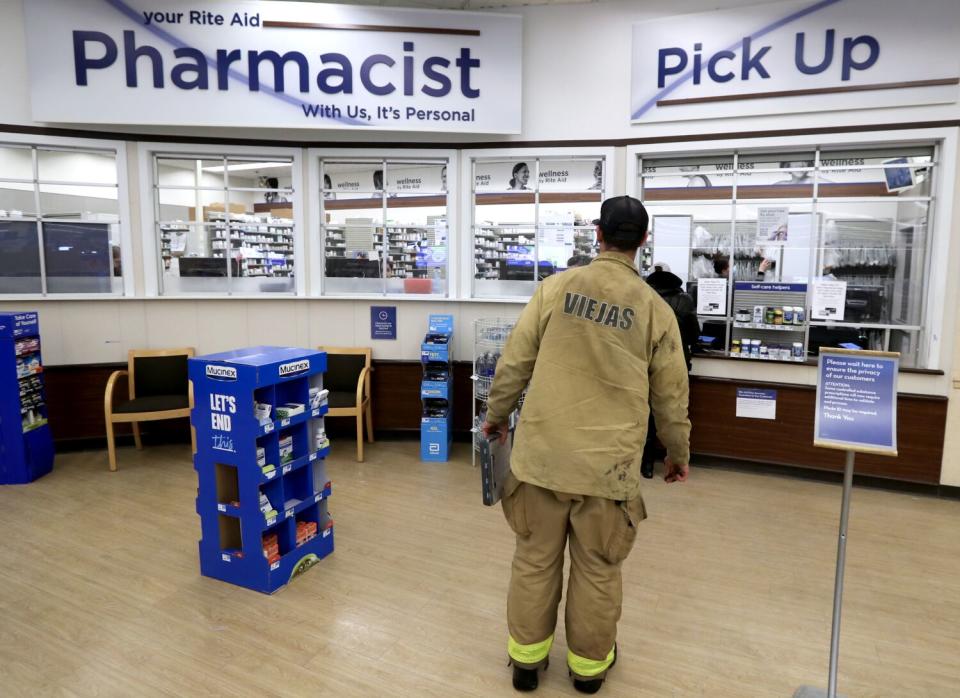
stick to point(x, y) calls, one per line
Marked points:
point(261, 443)
point(754, 337)
point(26, 444)
point(170, 234)
point(772, 328)
point(264, 244)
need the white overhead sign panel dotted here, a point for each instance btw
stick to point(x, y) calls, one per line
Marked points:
point(273, 64)
point(794, 57)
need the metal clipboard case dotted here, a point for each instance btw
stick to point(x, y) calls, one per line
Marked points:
point(494, 467)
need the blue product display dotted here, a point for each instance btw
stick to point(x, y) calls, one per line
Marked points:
point(436, 390)
point(26, 445)
point(261, 443)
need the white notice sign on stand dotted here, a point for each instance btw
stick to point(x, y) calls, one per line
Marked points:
point(829, 300)
point(711, 296)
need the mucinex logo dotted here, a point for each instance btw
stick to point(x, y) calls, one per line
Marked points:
point(294, 367)
point(224, 373)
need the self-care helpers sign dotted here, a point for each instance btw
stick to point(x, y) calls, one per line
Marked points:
point(273, 64)
point(794, 57)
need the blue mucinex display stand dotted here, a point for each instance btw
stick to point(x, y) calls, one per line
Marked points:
point(26, 445)
point(436, 389)
point(263, 487)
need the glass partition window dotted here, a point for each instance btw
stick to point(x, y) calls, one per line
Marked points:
point(384, 226)
point(532, 217)
point(225, 224)
point(854, 223)
point(59, 220)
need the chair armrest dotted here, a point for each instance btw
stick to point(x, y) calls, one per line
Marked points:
point(363, 385)
point(108, 392)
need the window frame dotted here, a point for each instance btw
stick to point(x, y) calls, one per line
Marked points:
point(124, 211)
point(150, 241)
point(935, 348)
point(468, 200)
point(318, 286)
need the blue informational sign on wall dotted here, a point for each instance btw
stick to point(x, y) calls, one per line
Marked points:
point(383, 322)
point(857, 401)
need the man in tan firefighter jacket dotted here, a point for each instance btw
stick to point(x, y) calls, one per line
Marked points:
point(598, 348)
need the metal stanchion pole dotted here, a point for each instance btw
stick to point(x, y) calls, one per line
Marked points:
point(809, 691)
point(838, 586)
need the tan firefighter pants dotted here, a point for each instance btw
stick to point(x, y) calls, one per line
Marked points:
point(601, 533)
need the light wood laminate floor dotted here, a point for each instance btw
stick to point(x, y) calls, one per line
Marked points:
point(727, 593)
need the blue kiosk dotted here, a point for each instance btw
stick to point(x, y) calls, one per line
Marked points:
point(436, 389)
point(261, 443)
point(26, 444)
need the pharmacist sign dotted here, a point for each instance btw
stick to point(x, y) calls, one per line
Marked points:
point(857, 401)
point(794, 57)
point(273, 64)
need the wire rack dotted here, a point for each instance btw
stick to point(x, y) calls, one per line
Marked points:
point(492, 332)
point(489, 338)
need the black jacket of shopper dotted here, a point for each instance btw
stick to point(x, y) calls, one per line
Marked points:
point(670, 288)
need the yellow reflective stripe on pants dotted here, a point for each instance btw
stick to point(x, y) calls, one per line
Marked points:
point(581, 666)
point(529, 654)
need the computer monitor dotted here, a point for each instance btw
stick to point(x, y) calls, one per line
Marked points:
point(522, 270)
point(77, 249)
point(207, 267)
point(842, 337)
point(864, 304)
point(19, 249)
point(347, 268)
point(713, 336)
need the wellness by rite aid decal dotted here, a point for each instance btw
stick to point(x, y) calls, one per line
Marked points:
point(794, 57)
point(273, 64)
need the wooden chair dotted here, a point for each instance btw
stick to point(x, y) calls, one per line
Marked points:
point(348, 380)
point(158, 388)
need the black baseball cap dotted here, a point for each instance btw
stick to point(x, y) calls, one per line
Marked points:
point(623, 217)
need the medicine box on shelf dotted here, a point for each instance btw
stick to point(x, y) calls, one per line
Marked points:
point(263, 486)
point(435, 437)
point(436, 346)
point(26, 444)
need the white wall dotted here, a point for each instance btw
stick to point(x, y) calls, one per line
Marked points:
point(950, 473)
point(80, 332)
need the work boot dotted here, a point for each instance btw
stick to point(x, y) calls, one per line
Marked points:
point(593, 685)
point(527, 679)
point(646, 468)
